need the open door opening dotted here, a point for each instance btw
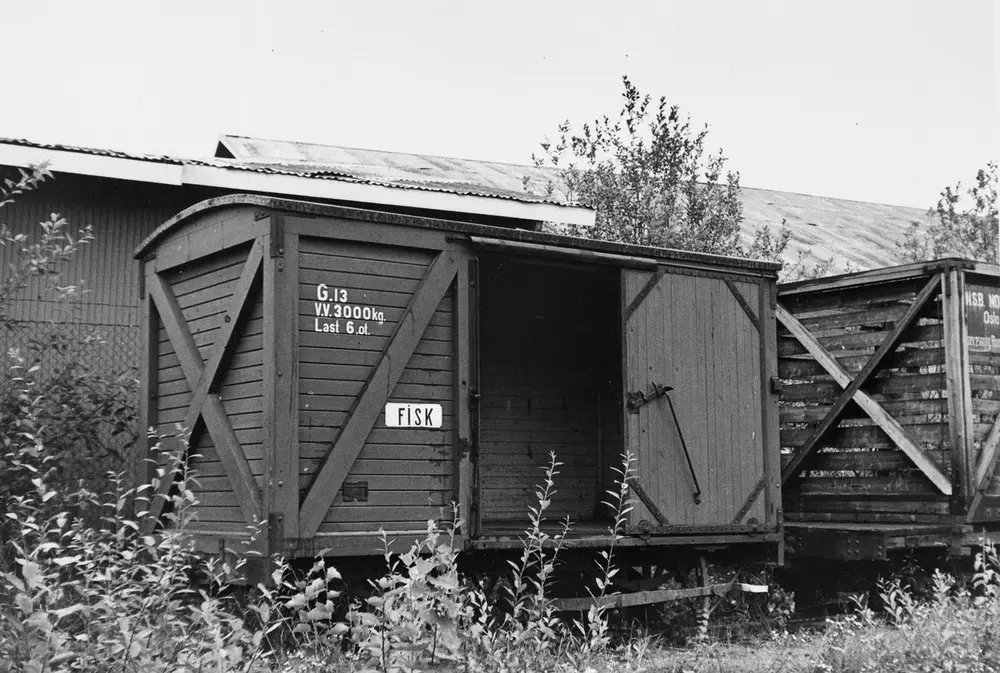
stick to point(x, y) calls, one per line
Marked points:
point(550, 381)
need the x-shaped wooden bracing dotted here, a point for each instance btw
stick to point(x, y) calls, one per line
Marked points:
point(203, 378)
point(852, 391)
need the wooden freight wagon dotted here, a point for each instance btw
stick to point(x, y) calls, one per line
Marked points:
point(891, 388)
point(344, 370)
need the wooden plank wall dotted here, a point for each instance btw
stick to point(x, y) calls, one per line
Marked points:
point(859, 473)
point(547, 353)
point(409, 472)
point(203, 290)
point(691, 333)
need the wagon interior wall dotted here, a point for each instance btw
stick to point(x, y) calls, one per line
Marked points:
point(858, 472)
point(550, 381)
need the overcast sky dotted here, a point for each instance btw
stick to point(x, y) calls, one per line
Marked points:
point(883, 101)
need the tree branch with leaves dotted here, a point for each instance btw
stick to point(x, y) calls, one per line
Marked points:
point(648, 176)
point(958, 231)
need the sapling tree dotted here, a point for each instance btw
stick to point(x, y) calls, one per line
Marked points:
point(961, 227)
point(651, 181)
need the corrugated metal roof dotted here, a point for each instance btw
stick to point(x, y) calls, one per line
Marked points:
point(860, 233)
point(158, 158)
point(400, 169)
point(855, 232)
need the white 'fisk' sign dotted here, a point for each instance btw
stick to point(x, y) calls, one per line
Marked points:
point(409, 415)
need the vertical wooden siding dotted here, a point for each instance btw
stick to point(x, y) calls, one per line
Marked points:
point(691, 333)
point(859, 471)
point(121, 218)
point(409, 472)
point(203, 290)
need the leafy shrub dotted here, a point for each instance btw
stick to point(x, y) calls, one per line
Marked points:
point(49, 396)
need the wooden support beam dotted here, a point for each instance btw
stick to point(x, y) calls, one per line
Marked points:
point(281, 381)
point(650, 597)
point(648, 502)
point(206, 404)
point(748, 503)
point(852, 386)
point(644, 292)
point(870, 406)
point(956, 377)
point(985, 469)
point(743, 303)
point(347, 445)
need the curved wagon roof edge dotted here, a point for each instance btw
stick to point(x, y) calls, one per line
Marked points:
point(519, 235)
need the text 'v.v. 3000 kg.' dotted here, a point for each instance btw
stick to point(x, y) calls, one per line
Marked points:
point(336, 315)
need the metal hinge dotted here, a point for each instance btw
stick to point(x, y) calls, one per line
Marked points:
point(277, 236)
point(776, 385)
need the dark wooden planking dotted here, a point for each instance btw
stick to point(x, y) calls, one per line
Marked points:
point(870, 405)
point(314, 391)
point(788, 345)
point(325, 356)
point(212, 412)
point(207, 236)
point(867, 460)
point(852, 317)
point(320, 374)
point(803, 366)
point(852, 295)
point(890, 503)
point(352, 436)
point(873, 436)
point(828, 392)
point(906, 411)
point(855, 384)
point(328, 233)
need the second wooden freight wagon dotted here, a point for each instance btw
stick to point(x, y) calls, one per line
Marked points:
point(889, 415)
point(344, 370)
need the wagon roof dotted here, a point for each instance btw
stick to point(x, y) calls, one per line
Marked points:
point(554, 241)
point(887, 275)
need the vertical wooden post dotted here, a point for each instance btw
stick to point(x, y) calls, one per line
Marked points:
point(767, 301)
point(966, 480)
point(462, 345)
point(143, 470)
point(953, 315)
point(281, 381)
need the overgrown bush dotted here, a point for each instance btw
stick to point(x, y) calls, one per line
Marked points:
point(956, 630)
point(50, 394)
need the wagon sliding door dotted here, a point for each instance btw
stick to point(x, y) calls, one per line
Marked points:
point(693, 397)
